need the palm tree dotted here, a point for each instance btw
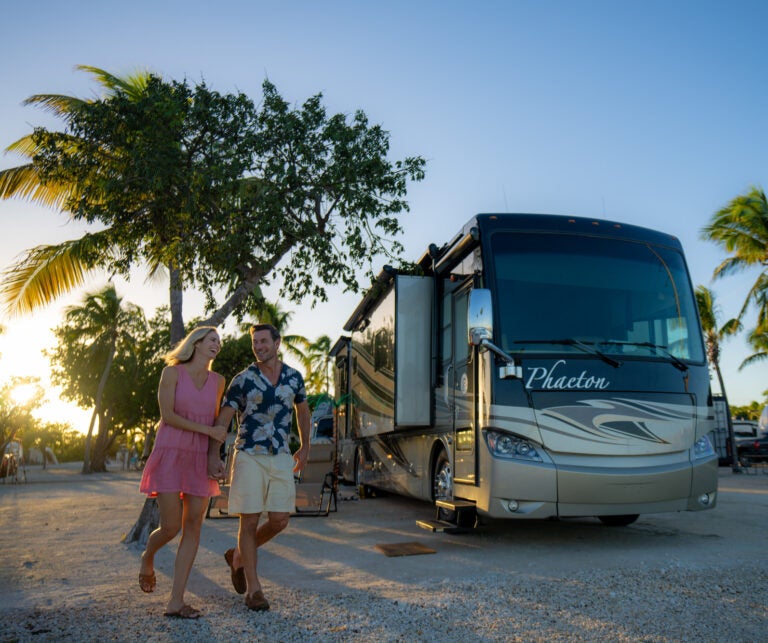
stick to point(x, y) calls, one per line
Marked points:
point(713, 336)
point(46, 272)
point(98, 325)
point(758, 339)
point(741, 228)
point(271, 313)
point(317, 379)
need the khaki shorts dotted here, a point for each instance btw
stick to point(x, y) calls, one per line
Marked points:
point(262, 483)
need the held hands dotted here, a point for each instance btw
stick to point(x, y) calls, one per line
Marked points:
point(215, 468)
point(300, 457)
point(218, 433)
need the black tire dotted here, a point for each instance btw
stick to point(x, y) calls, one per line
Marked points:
point(619, 521)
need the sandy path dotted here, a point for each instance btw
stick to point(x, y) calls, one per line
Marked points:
point(66, 575)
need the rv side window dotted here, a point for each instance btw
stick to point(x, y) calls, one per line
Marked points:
point(447, 328)
point(383, 356)
point(342, 385)
point(461, 302)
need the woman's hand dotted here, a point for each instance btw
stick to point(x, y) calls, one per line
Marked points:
point(218, 433)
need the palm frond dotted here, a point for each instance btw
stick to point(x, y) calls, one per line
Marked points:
point(46, 272)
point(24, 182)
point(132, 84)
point(25, 146)
point(755, 358)
point(56, 104)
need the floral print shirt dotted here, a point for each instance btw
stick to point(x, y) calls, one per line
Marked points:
point(264, 411)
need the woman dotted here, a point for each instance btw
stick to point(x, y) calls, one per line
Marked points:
point(189, 395)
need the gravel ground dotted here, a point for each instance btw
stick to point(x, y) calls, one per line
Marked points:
point(65, 576)
point(649, 605)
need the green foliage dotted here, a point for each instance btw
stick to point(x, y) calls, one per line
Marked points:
point(224, 195)
point(709, 312)
point(750, 411)
point(317, 379)
point(741, 229)
point(235, 355)
point(67, 444)
point(94, 358)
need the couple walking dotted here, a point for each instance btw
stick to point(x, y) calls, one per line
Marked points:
point(185, 464)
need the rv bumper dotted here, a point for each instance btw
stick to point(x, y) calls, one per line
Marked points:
point(543, 490)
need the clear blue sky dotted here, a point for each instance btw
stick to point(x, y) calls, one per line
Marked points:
point(652, 113)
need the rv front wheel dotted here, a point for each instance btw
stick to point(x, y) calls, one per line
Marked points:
point(619, 521)
point(359, 471)
point(442, 484)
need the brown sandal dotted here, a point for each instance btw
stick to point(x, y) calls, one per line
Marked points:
point(147, 582)
point(256, 601)
point(186, 611)
point(237, 575)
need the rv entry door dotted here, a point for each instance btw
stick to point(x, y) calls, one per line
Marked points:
point(463, 390)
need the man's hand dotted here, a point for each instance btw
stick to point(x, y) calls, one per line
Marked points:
point(300, 457)
point(215, 468)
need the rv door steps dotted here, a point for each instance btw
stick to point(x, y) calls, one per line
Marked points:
point(462, 512)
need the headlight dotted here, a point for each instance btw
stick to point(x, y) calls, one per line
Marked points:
point(504, 445)
point(702, 448)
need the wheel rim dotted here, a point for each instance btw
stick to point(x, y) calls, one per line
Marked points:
point(359, 465)
point(443, 484)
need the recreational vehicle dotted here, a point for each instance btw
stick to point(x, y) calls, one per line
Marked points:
point(535, 366)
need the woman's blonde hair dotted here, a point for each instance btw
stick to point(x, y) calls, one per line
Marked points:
point(185, 349)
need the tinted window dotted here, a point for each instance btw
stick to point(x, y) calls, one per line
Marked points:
point(612, 293)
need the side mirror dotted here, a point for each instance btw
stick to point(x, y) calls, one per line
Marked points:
point(479, 316)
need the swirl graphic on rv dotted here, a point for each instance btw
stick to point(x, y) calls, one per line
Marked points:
point(608, 419)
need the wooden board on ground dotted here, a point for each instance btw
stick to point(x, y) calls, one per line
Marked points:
point(404, 549)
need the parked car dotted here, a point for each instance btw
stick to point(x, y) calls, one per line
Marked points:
point(754, 450)
point(744, 431)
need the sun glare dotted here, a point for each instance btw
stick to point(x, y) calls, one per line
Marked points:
point(21, 356)
point(23, 394)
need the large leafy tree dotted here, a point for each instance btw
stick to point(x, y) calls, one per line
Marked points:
point(714, 334)
point(151, 164)
point(94, 362)
point(741, 229)
point(224, 196)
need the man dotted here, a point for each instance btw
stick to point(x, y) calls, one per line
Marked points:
point(264, 396)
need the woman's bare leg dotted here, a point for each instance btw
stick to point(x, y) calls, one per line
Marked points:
point(170, 524)
point(192, 523)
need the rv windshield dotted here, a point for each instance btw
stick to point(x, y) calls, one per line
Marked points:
point(624, 298)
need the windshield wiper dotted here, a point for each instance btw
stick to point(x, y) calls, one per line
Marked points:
point(574, 342)
point(659, 350)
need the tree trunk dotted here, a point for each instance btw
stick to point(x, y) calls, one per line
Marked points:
point(101, 447)
point(97, 405)
point(148, 520)
point(176, 299)
point(89, 435)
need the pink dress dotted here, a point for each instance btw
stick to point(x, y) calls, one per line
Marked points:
point(179, 459)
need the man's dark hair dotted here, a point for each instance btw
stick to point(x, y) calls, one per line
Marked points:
point(272, 330)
